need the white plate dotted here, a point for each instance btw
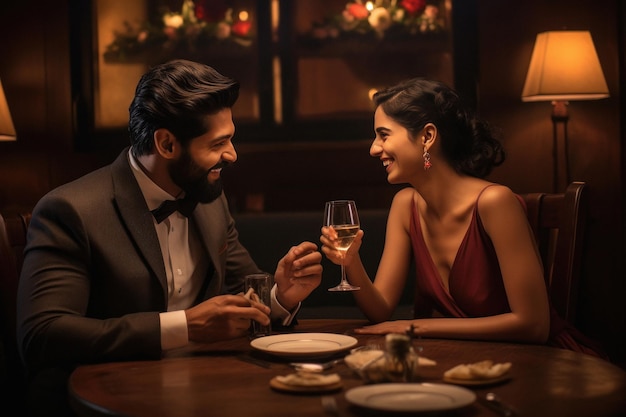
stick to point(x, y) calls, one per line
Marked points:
point(304, 344)
point(410, 397)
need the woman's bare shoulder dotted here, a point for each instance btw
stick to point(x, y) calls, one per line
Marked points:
point(402, 205)
point(499, 199)
point(404, 197)
point(496, 194)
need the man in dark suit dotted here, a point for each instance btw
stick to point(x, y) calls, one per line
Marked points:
point(108, 276)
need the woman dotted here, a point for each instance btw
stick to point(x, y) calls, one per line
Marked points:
point(477, 262)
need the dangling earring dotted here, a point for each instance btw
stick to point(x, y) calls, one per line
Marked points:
point(427, 163)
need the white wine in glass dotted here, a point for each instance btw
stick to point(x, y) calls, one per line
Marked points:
point(342, 216)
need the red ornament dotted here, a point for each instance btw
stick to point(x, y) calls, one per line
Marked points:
point(413, 6)
point(241, 28)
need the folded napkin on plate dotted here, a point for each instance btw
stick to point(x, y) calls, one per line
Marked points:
point(372, 365)
point(308, 379)
point(486, 369)
point(369, 358)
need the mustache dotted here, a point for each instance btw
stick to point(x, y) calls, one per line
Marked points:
point(220, 165)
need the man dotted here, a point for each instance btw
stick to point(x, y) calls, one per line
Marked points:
point(108, 276)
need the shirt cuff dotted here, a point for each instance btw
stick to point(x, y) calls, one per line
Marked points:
point(279, 312)
point(173, 329)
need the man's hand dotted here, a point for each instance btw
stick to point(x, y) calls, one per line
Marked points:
point(224, 317)
point(298, 273)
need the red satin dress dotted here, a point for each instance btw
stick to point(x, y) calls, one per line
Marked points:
point(476, 287)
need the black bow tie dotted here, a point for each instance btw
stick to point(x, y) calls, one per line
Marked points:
point(185, 206)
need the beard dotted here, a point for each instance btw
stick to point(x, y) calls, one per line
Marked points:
point(193, 179)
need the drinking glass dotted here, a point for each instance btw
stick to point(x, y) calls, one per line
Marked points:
point(259, 287)
point(342, 216)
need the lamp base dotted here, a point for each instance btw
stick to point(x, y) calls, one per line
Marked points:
point(559, 111)
point(560, 116)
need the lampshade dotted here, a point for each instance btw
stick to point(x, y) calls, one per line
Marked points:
point(7, 130)
point(564, 66)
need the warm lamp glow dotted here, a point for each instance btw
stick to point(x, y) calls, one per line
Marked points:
point(564, 66)
point(7, 130)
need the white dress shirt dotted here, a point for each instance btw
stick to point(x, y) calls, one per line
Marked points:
point(185, 265)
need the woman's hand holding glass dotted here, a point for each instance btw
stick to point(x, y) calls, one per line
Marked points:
point(341, 221)
point(329, 247)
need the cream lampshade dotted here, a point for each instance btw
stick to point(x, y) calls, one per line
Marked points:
point(564, 66)
point(7, 130)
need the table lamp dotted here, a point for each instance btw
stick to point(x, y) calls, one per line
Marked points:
point(564, 66)
point(7, 130)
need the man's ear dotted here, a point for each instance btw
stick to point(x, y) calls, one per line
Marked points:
point(165, 143)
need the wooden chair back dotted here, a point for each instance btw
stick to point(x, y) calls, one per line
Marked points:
point(12, 241)
point(558, 221)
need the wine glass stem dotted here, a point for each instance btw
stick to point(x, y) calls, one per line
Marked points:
point(344, 281)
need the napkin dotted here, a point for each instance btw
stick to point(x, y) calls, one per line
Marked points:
point(486, 369)
point(308, 379)
point(372, 366)
point(360, 358)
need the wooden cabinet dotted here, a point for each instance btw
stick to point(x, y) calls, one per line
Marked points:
point(307, 67)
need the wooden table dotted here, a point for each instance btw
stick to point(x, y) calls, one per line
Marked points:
point(232, 379)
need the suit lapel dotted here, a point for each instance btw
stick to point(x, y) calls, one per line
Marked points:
point(134, 214)
point(210, 221)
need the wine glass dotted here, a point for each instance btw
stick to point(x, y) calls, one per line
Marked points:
point(342, 216)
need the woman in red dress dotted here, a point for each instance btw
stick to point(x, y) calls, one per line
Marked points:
point(478, 267)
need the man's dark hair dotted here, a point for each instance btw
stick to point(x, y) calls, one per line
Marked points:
point(177, 95)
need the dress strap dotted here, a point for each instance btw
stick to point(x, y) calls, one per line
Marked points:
point(483, 190)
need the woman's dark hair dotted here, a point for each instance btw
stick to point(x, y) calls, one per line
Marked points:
point(466, 142)
point(177, 95)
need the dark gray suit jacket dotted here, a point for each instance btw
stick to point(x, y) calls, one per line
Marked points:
point(93, 281)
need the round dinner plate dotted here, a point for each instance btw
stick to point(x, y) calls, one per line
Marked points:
point(410, 397)
point(304, 344)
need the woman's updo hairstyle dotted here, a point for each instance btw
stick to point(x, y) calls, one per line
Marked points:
point(466, 141)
